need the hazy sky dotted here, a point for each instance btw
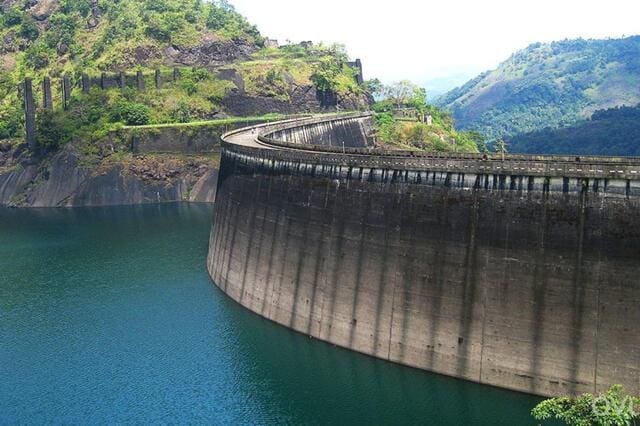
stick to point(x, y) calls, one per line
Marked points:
point(425, 40)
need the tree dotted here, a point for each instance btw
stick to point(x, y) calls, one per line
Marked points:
point(132, 114)
point(479, 140)
point(374, 87)
point(608, 409)
point(418, 99)
point(52, 129)
point(401, 92)
point(325, 74)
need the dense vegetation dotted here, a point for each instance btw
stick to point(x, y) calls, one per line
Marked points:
point(52, 37)
point(272, 71)
point(549, 85)
point(401, 122)
point(611, 408)
point(615, 131)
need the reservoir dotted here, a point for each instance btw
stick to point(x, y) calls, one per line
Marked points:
point(107, 315)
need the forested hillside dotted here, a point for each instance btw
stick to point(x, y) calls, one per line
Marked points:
point(549, 85)
point(236, 72)
point(614, 131)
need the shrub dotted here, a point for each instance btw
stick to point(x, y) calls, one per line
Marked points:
point(181, 113)
point(608, 409)
point(325, 74)
point(131, 113)
point(29, 29)
point(53, 129)
point(10, 121)
point(11, 18)
point(37, 56)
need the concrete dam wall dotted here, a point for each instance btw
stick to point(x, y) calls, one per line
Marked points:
point(522, 272)
point(322, 132)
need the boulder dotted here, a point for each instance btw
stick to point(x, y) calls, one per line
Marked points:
point(92, 22)
point(62, 49)
point(43, 9)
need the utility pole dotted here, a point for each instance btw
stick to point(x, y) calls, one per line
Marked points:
point(501, 147)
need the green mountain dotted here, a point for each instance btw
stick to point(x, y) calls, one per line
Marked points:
point(227, 68)
point(549, 85)
point(614, 131)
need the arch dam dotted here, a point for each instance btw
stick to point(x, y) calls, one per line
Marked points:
point(521, 272)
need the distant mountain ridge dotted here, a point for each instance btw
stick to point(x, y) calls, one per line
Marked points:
point(615, 131)
point(548, 85)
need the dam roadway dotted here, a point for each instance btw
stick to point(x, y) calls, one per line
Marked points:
point(519, 271)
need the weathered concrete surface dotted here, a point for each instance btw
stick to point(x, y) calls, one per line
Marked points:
point(349, 133)
point(500, 272)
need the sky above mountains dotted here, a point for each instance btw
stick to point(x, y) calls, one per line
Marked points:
point(436, 42)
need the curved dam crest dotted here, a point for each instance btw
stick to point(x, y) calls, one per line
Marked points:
point(519, 272)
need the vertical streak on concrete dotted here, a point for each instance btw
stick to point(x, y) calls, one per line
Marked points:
point(232, 244)
point(358, 276)
point(221, 224)
point(540, 291)
point(468, 293)
point(274, 238)
point(300, 263)
point(337, 234)
point(319, 275)
point(438, 278)
point(597, 334)
point(276, 286)
point(30, 115)
point(262, 227)
point(408, 272)
point(282, 248)
point(250, 233)
point(578, 290)
point(47, 98)
point(221, 218)
point(396, 213)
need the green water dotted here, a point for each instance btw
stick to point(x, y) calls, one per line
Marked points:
point(108, 316)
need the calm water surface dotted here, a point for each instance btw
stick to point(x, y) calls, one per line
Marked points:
point(108, 315)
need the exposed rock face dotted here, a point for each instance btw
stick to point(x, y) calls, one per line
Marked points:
point(6, 4)
point(204, 191)
point(302, 99)
point(232, 75)
point(139, 55)
point(8, 42)
point(43, 9)
point(63, 180)
point(210, 52)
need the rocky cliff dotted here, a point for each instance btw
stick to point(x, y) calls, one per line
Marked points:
point(71, 177)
